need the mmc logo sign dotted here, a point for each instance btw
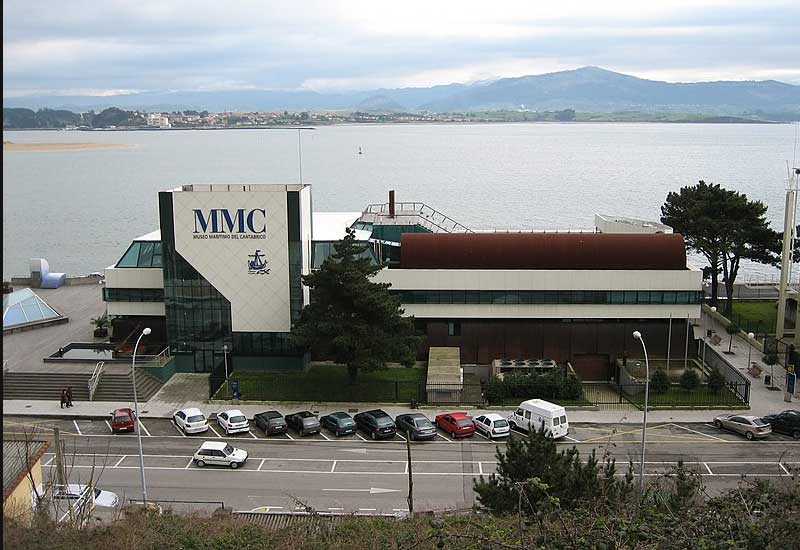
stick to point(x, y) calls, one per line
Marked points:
point(221, 223)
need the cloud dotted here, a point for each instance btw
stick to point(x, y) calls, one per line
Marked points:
point(53, 45)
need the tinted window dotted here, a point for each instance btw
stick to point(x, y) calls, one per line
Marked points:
point(383, 420)
point(527, 414)
point(422, 423)
point(740, 420)
point(556, 422)
point(500, 423)
point(196, 418)
point(181, 415)
point(564, 419)
point(122, 418)
point(228, 449)
point(463, 423)
point(519, 412)
point(238, 419)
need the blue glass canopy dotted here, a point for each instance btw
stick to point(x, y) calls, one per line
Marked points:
point(25, 306)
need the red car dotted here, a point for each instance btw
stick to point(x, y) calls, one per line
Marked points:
point(457, 424)
point(123, 420)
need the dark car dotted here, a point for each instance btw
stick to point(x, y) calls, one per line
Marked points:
point(123, 420)
point(786, 422)
point(272, 422)
point(376, 423)
point(339, 423)
point(305, 422)
point(416, 426)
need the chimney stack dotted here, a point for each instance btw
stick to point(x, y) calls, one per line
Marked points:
point(391, 203)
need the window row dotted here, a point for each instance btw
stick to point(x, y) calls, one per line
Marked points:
point(548, 296)
point(133, 294)
point(142, 254)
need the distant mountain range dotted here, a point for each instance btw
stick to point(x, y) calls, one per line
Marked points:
point(588, 89)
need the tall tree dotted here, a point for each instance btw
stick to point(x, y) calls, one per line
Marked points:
point(351, 319)
point(725, 227)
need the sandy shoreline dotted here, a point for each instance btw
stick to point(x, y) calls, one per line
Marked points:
point(11, 146)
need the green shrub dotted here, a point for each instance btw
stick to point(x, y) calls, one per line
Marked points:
point(513, 387)
point(716, 381)
point(689, 379)
point(659, 382)
point(572, 388)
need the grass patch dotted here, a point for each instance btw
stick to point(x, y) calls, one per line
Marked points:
point(755, 316)
point(676, 396)
point(330, 383)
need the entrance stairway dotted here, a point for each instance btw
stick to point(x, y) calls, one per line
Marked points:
point(48, 386)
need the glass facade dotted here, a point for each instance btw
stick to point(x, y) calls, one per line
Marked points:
point(142, 254)
point(133, 294)
point(660, 297)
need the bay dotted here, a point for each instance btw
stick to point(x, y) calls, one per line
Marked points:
point(80, 209)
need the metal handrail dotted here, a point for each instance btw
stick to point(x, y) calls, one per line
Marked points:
point(429, 217)
point(94, 380)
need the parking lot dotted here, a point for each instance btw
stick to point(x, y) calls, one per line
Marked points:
point(579, 434)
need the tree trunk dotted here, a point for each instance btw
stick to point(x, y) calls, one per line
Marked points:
point(714, 287)
point(352, 373)
point(729, 301)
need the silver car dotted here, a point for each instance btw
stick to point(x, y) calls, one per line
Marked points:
point(752, 427)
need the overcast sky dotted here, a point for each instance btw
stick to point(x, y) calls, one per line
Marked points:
point(113, 46)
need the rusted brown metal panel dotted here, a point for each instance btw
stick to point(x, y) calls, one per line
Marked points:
point(542, 251)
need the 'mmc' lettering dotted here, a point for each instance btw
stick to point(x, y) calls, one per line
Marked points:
point(221, 220)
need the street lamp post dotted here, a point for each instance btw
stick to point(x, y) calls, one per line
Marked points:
point(750, 337)
point(145, 332)
point(225, 360)
point(638, 336)
point(705, 334)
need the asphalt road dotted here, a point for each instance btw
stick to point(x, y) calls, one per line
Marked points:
point(354, 474)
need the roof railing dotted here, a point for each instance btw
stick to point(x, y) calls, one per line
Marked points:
point(421, 213)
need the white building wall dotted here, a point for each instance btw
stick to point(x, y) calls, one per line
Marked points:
point(136, 308)
point(131, 277)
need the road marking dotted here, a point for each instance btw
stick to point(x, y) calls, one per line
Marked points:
point(483, 436)
point(406, 468)
point(262, 464)
point(77, 427)
point(443, 437)
point(325, 436)
point(333, 466)
point(289, 436)
point(109, 427)
point(367, 509)
point(707, 468)
point(251, 434)
point(189, 463)
point(701, 433)
point(571, 439)
point(215, 431)
point(142, 426)
point(399, 509)
point(361, 437)
point(400, 436)
point(784, 469)
point(120, 460)
point(177, 428)
point(371, 490)
point(480, 468)
point(50, 461)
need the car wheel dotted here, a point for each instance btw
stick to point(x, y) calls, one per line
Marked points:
point(796, 434)
point(512, 425)
point(200, 463)
point(717, 424)
point(372, 435)
point(749, 436)
point(234, 465)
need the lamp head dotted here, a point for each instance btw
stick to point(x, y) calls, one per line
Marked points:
point(714, 309)
point(146, 331)
point(751, 335)
point(224, 347)
point(637, 335)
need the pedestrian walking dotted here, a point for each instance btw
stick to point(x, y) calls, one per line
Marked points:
point(63, 398)
point(69, 396)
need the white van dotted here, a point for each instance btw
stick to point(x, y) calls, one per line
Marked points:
point(534, 413)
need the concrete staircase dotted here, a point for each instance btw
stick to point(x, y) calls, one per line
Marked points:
point(112, 387)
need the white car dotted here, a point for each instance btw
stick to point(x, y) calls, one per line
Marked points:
point(233, 421)
point(492, 425)
point(190, 421)
point(219, 453)
point(76, 493)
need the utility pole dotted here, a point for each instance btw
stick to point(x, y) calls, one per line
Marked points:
point(786, 253)
point(60, 472)
point(410, 479)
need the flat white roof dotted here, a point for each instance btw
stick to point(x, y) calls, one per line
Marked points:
point(331, 226)
point(219, 445)
point(542, 404)
point(152, 236)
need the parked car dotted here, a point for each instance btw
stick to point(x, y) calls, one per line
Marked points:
point(74, 493)
point(272, 422)
point(219, 453)
point(305, 422)
point(787, 422)
point(376, 423)
point(123, 420)
point(340, 423)
point(233, 421)
point(416, 426)
point(492, 425)
point(190, 421)
point(538, 414)
point(749, 426)
point(457, 424)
